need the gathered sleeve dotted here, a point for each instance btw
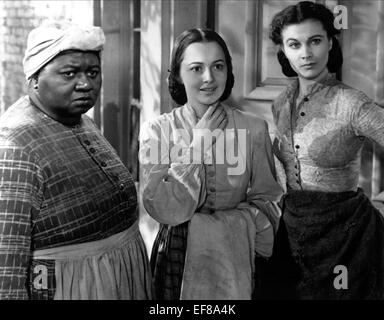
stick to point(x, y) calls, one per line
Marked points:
point(20, 199)
point(172, 188)
point(367, 118)
point(264, 192)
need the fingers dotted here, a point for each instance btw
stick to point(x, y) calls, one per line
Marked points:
point(222, 122)
point(218, 110)
point(219, 116)
point(208, 114)
point(214, 118)
point(212, 110)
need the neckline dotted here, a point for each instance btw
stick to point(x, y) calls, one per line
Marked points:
point(37, 106)
point(329, 80)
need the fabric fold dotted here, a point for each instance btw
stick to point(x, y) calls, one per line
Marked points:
point(108, 269)
point(220, 257)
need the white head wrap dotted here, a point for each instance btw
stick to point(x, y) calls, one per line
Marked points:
point(47, 41)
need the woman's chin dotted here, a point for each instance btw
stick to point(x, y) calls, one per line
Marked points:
point(313, 74)
point(210, 102)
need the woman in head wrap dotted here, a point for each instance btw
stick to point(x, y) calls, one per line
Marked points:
point(216, 198)
point(330, 243)
point(68, 207)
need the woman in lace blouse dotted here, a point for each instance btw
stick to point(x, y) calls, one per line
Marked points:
point(328, 222)
point(216, 202)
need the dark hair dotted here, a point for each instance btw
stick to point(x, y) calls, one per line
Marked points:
point(298, 13)
point(176, 88)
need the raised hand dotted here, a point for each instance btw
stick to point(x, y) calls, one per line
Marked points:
point(209, 128)
point(214, 118)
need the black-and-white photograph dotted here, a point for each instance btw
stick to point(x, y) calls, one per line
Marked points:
point(192, 150)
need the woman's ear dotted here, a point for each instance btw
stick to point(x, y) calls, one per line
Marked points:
point(330, 44)
point(35, 81)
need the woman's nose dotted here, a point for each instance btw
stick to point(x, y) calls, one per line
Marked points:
point(83, 83)
point(207, 75)
point(306, 52)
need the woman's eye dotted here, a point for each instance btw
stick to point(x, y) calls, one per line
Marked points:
point(219, 66)
point(196, 69)
point(294, 45)
point(93, 73)
point(316, 41)
point(68, 74)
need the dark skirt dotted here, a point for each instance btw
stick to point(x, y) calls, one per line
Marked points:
point(320, 233)
point(167, 261)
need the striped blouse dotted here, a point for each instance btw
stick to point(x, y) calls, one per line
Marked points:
point(59, 185)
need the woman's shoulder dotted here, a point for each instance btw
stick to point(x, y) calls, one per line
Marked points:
point(349, 92)
point(164, 119)
point(17, 119)
point(248, 117)
point(156, 121)
point(157, 125)
point(250, 121)
point(284, 94)
point(16, 113)
point(351, 99)
point(19, 128)
point(281, 100)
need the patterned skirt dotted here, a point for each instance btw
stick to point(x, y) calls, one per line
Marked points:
point(167, 261)
point(329, 246)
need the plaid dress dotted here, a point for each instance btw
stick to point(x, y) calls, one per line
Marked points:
point(59, 186)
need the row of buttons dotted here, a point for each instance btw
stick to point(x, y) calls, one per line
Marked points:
point(302, 113)
point(211, 181)
point(297, 176)
point(296, 167)
point(210, 186)
point(92, 150)
point(103, 163)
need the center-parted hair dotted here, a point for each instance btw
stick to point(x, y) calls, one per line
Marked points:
point(176, 88)
point(296, 14)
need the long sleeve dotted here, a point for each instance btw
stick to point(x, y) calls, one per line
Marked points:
point(20, 186)
point(367, 118)
point(222, 245)
point(264, 192)
point(172, 187)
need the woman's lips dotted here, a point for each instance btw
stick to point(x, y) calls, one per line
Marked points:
point(308, 65)
point(208, 89)
point(85, 98)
